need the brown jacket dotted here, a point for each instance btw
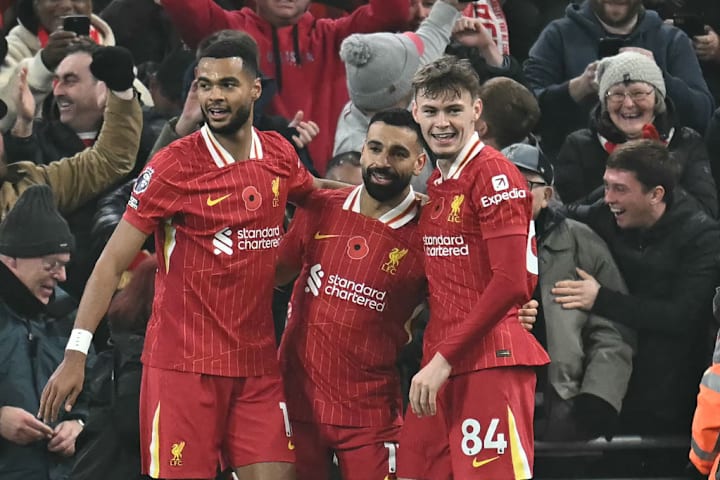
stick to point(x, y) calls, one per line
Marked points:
point(79, 178)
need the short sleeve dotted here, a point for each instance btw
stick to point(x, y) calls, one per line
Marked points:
point(300, 183)
point(154, 197)
point(502, 199)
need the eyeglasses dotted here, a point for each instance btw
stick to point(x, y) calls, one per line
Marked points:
point(636, 96)
point(532, 184)
point(53, 266)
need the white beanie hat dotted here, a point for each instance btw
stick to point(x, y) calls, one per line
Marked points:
point(628, 67)
point(380, 67)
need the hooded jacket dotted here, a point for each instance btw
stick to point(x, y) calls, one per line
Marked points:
point(567, 45)
point(580, 164)
point(302, 58)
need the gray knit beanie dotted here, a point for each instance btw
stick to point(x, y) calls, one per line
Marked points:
point(380, 68)
point(628, 67)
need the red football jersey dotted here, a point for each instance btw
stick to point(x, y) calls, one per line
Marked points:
point(360, 282)
point(218, 223)
point(484, 196)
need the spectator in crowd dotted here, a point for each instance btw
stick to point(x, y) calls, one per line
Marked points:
point(509, 115)
point(300, 52)
point(590, 356)
point(71, 125)
point(143, 27)
point(345, 167)
point(109, 445)
point(668, 251)
point(563, 61)
point(379, 68)
point(419, 11)
point(35, 247)
point(77, 179)
point(633, 104)
point(39, 43)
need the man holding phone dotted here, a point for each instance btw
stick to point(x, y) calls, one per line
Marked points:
point(46, 30)
point(562, 63)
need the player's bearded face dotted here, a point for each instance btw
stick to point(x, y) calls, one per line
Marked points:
point(384, 183)
point(232, 125)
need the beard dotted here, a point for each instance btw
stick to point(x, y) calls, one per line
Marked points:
point(236, 122)
point(383, 193)
point(633, 8)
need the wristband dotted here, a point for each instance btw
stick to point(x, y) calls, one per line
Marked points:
point(79, 340)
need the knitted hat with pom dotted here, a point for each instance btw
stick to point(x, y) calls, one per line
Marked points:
point(380, 68)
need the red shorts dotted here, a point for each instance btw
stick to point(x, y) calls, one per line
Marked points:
point(362, 452)
point(483, 428)
point(189, 422)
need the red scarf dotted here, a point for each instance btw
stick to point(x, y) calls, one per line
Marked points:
point(44, 36)
point(648, 131)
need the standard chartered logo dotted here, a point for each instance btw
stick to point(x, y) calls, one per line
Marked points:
point(344, 289)
point(246, 239)
point(223, 242)
point(314, 281)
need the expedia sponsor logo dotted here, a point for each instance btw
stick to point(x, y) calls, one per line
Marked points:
point(489, 200)
point(445, 246)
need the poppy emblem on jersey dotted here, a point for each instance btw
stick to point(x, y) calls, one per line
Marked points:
point(275, 185)
point(437, 208)
point(143, 181)
point(394, 258)
point(454, 215)
point(252, 198)
point(177, 453)
point(357, 248)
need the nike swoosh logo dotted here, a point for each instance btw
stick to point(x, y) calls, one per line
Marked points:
point(478, 464)
point(319, 236)
point(212, 202)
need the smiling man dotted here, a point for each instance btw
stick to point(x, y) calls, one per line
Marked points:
point(35, 246)
point(473, 399)
point(667, 250)
point(215, 200)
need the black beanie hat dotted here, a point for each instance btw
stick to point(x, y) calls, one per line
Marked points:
point(34, 227)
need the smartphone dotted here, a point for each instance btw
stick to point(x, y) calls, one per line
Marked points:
point(690, 23)
point(609, 47)
point(80, 24)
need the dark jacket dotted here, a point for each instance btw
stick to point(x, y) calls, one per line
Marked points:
point(51, 141)
point(109, 446)
point(32, 345)
point(671, 271)
point(566, 46)
point(580, 165)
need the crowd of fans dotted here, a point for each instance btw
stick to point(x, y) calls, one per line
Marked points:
point(628, 265)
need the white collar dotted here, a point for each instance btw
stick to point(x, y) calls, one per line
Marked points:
point(395, 218)
point(222, 157)
point(468, 152)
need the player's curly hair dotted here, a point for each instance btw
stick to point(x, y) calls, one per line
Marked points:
point(446, 76)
